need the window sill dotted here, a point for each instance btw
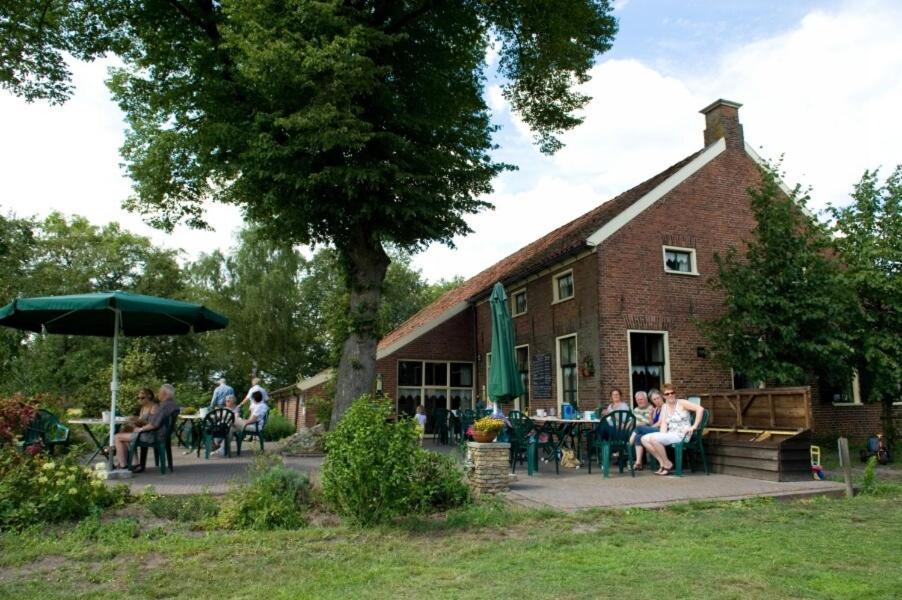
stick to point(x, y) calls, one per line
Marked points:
point(563, 300)
point(693, 274)
point(847, 404)
point(514, 316)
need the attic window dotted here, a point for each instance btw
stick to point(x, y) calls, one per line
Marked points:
point(563, 286)
point(518, 303)
point(680, 261)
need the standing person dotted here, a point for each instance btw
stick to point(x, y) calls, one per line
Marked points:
point(220, 394)
point(147, 432)
point(255, 387)
point(676, 426)
point(421, 420)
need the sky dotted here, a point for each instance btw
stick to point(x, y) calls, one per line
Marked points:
point(820, 84)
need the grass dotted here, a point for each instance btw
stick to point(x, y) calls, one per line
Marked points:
point(818, 548)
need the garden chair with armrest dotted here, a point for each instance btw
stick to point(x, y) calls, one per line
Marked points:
point(217, 425)
point(161, 443)
point(47, 430)
point(694, 444)
point(612, 434)
point(254, 430)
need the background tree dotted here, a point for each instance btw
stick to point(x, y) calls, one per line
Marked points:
point(355, 123)
point(787, 310)
point(868, 241)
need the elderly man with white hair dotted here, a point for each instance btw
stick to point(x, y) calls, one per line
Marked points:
point(220, 394)
point(147, 432)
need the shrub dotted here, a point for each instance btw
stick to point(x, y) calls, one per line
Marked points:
point(322, 410)
point(15, 416)
point(376, 470)
point(438, 483)
point(274, 498)
point(869, 480)
point(39, 490)
point(369, 460)
point(188, 509)
point(277, 426)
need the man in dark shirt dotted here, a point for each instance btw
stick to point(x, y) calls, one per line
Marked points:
point(148, 432)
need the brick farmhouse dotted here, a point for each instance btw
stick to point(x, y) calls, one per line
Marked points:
point(609, 300)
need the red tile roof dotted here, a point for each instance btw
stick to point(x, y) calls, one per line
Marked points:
point(558, 244)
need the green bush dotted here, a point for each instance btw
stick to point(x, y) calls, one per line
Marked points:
point(39, 490)
point(322, 410)
point(438, 483)
point(376, 470)
point(277, 426)
point(275, 498)
point(869, 480)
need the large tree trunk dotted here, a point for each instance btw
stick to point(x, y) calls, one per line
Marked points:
point(366, 263)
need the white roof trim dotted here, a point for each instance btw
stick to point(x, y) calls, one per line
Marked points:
point(612, 226)
point(406, 339)
point(783, 187)
point(318, 379)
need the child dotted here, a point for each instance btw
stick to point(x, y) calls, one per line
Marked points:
point(421, 420)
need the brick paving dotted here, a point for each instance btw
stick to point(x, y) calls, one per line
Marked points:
point(575, 490)
point(571, 490)
point(193, 475)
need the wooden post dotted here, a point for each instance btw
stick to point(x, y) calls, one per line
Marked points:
point(846, 464)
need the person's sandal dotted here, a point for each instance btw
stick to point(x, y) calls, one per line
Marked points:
point(640, 467)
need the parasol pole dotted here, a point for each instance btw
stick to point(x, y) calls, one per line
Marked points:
point(114, 384)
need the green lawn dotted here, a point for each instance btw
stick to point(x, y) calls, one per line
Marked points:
point(821, 548)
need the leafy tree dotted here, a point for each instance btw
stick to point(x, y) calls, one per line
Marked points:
point(359, 124)
point(868, 241)
point(786, 309)
point(17, 242)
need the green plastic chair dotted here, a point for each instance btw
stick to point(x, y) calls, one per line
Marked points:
point(440, 425)
point(692, 445)
point(47, 430)
point(612, 434)
point(520, 429)
point(467, 418)
point(161, 443)
point(251, 433)
point(217, 424)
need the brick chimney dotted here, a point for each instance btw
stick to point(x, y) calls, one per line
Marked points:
point(722, 121)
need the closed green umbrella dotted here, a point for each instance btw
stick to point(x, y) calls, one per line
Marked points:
point(110, 314)
point(504, 375)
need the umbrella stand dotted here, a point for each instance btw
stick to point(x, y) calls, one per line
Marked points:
point(114, 384)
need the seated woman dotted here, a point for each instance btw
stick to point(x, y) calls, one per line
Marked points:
point(617, 402)
point(148, 431)
point(258, 411)
point(676, 426)
point(147, 406)
point(650, 426)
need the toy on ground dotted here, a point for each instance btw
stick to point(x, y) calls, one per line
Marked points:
point(817, 471)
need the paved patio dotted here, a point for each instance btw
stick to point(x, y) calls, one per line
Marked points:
point(568, 491)
point(575, 490)
point(193, 475)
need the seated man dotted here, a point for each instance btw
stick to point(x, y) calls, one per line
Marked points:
point(642, 410)
point(259, 409)
point(148, 432)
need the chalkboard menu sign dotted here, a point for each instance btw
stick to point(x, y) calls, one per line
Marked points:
point(540, 376)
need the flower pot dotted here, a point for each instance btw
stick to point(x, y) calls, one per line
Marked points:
point(484, 437)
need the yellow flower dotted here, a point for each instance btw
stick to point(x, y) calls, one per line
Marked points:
point(97, 483)
point(47, 465)
point(73, 490)
point(42, 479)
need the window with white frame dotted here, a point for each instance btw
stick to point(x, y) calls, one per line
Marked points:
point(680, 260)
point(566, 358)
point(518, 303)
point(434, 384)
point(563, 286)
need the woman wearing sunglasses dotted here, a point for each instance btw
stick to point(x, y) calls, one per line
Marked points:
point(676, 425)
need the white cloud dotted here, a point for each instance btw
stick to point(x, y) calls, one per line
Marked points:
point(66, 158)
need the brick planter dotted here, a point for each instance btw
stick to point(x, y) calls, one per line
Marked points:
point(489, 471)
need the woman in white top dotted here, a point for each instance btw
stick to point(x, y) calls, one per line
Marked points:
point(676, 426)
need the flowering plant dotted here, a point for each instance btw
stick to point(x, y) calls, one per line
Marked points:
point(489, 425)
point(15, 416)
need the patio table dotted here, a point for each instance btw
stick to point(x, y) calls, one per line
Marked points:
point(87, 423)
point(564, 428)
point(195, 437)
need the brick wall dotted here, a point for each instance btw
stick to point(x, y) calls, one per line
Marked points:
point(707, 212)
point(544, 321)
point(452, 340)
